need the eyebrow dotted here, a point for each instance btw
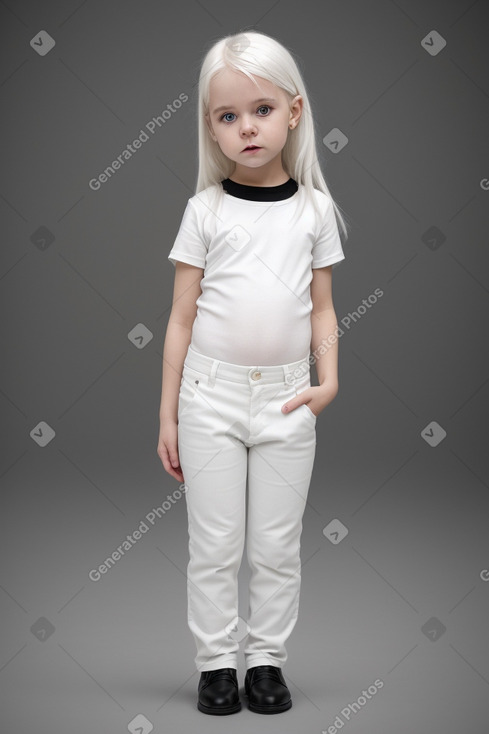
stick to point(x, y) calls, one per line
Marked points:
point(227, 107)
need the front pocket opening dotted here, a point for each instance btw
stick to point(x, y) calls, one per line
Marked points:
point(309, 411)
point(189, 388)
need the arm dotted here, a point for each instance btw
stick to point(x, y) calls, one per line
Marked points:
point(323, 325)
point(186, 291)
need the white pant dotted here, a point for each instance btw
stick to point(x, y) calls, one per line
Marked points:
point(231, 430)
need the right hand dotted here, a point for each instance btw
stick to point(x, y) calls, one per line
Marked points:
point(168, 449)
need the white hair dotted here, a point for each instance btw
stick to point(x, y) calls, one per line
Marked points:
point(251, 53)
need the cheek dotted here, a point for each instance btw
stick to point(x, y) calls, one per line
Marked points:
point(286, 132)
point(284, 139)
point(224, 138)
point(279, 132)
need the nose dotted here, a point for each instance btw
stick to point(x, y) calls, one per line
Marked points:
point(247, 126)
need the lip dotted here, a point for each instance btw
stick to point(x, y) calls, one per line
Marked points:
point(251, 150)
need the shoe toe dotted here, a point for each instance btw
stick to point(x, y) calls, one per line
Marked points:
point(211, 697)
point(218, 692)
point(267, 690)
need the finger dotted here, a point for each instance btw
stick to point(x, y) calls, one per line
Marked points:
point(178, 475)
point(175, 472)
point(288, 407)
point(172, 455)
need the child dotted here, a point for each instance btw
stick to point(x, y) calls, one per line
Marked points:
point(252, 295)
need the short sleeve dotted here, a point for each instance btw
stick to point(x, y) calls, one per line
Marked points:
point(327, 249)
point(189, 245)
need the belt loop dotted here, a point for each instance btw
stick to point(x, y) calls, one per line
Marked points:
point(212, 373)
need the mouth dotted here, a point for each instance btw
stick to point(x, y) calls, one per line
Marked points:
point(251, 147)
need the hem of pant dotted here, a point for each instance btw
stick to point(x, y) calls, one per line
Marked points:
point(267, 660)
point(219, 663)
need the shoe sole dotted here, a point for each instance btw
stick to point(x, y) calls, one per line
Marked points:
point(219, 711)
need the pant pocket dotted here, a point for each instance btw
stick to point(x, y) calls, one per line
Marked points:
point(309, 412)
point(300, 386)
point(190, 387)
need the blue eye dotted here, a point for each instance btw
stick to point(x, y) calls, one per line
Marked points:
point(263, 106)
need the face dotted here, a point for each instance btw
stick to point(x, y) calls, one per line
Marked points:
point(243, 114)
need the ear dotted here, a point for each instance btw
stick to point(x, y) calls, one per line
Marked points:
point(296, 107)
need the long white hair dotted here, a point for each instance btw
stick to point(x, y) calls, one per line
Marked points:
point(257, 53)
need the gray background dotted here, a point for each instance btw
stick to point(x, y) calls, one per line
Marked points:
point(417, 515)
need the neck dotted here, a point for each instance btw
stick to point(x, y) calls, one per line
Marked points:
point(273, 174)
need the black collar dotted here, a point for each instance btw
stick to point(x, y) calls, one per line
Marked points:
point(260, 193)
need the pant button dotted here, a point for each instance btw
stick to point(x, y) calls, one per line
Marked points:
point(256, 375)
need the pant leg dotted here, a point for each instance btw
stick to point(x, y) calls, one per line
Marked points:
point(214, 465)
point(279, 471)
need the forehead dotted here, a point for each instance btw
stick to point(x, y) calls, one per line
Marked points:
point(233, 87)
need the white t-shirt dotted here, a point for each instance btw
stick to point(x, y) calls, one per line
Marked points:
point(255, 306)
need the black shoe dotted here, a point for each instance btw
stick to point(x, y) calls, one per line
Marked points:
point(267, 690)
point(218, 692)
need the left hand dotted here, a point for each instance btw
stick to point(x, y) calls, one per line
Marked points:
point(317, 398)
